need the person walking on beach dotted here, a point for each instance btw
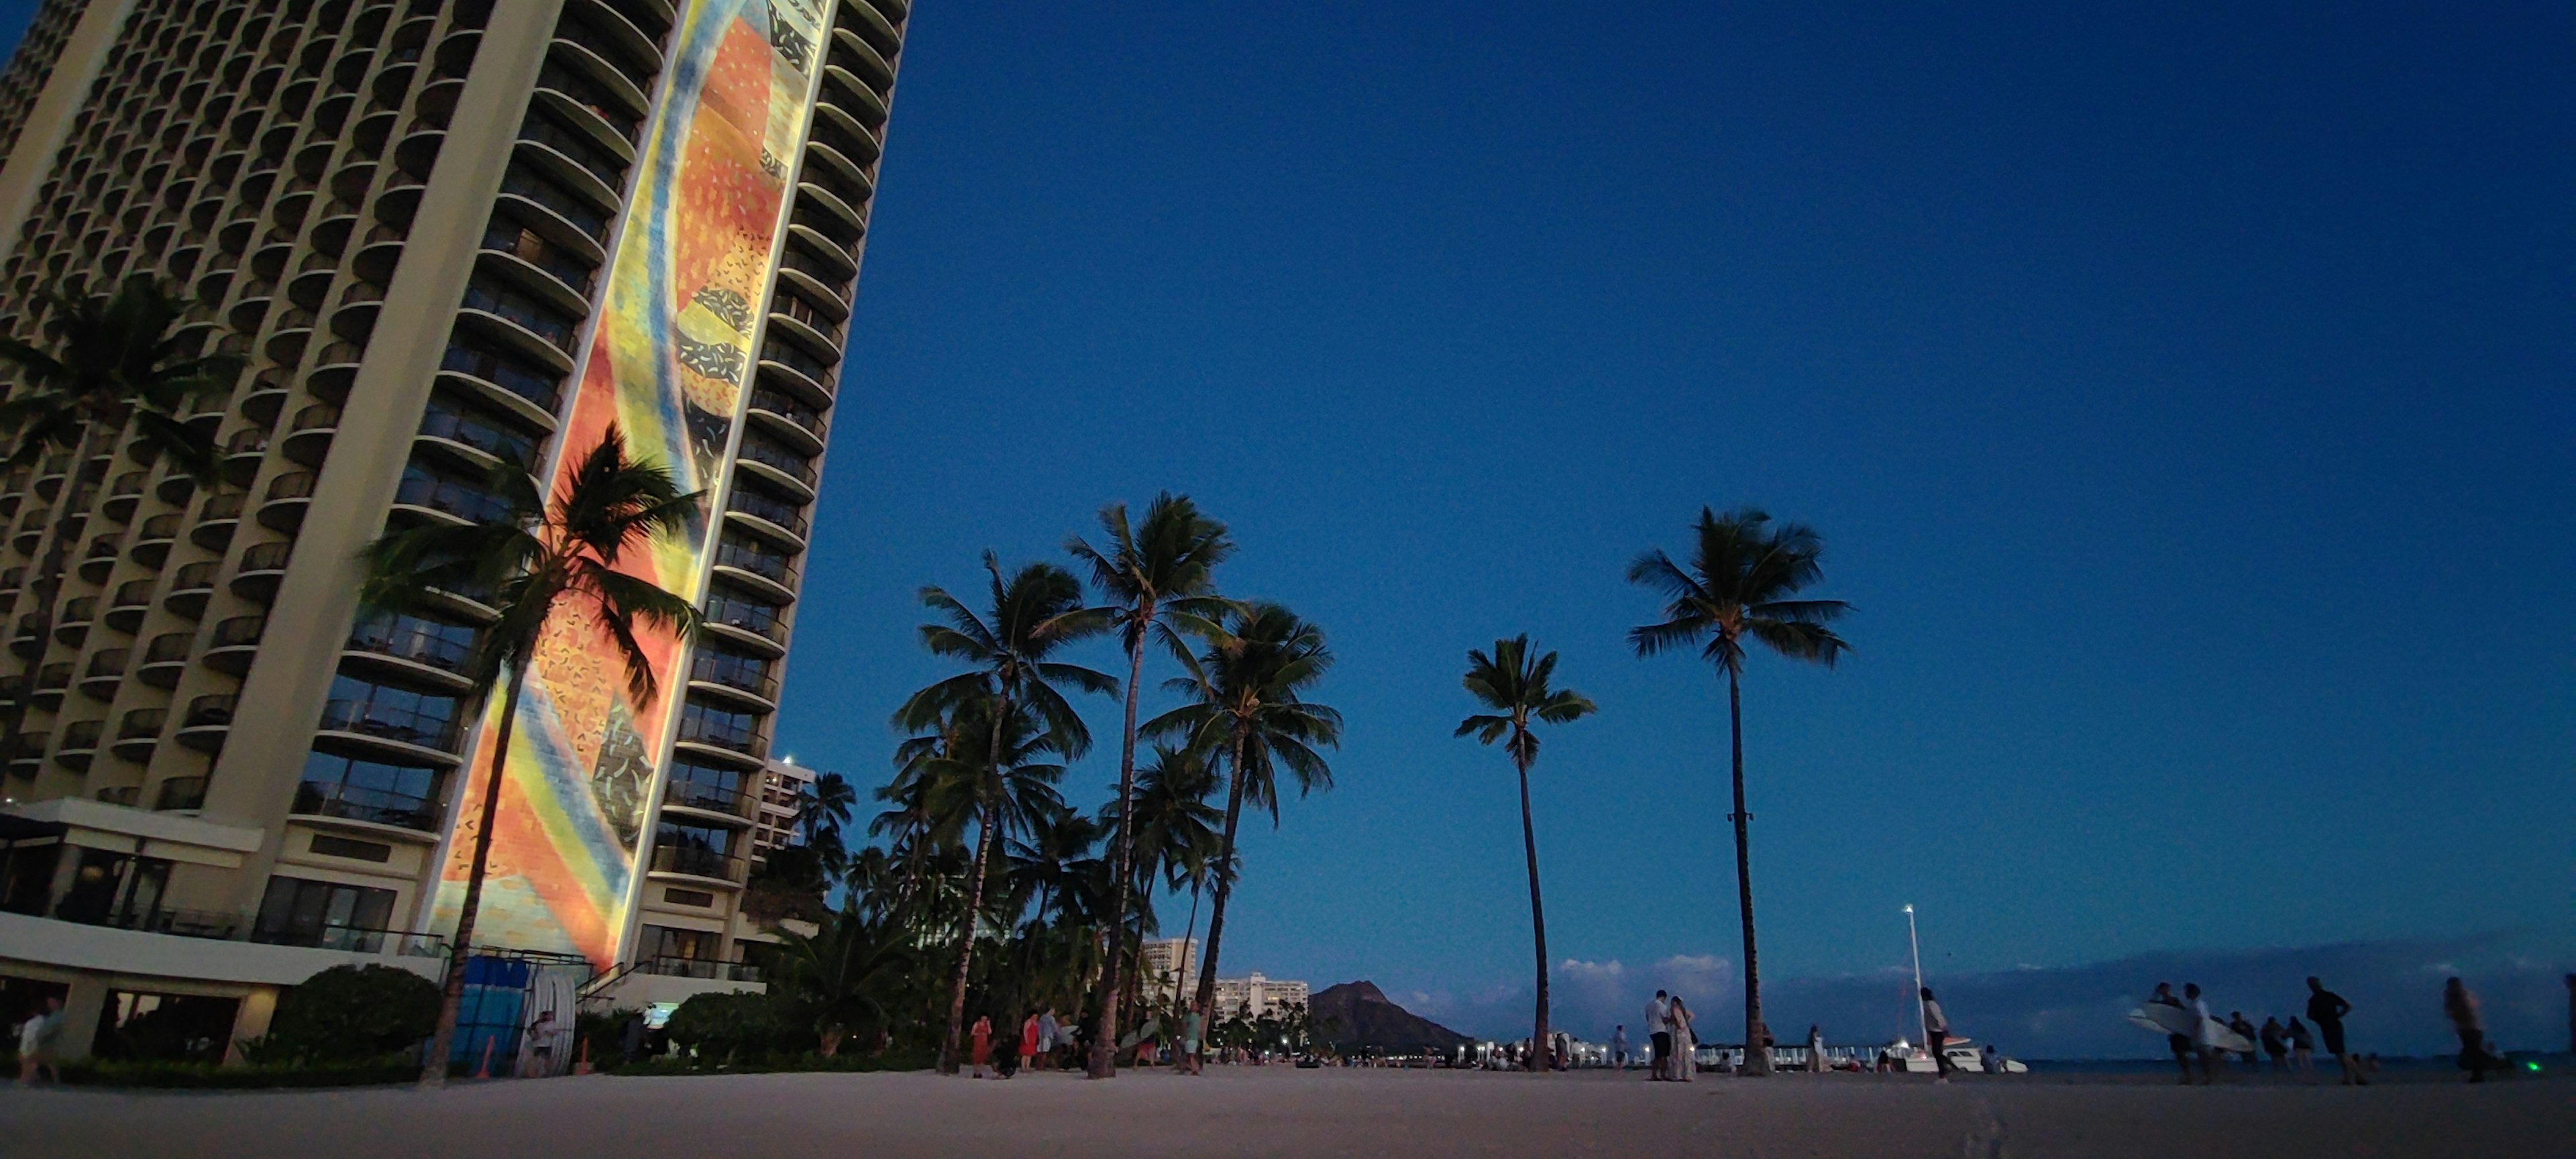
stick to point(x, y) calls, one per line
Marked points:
point(1815, 1049)
point(1186, 1061)
point(1619, 1047)
point(2461, 1007)
point(2303, 1047)
point(983, 1034)
point(1050, 1036)
point(1685, 1047)
point(2274, 1044)
point(1659, 1036)
point(2205, 1036)
point(2327, 1009)
point(1936, 1035)
point(2245, 1030)
point(2179, 1044)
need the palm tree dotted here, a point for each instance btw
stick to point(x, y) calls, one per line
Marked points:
point(825, 806)
point(112, 363)
point(835, 980)
point(524, 563)
point(1176, 830)
point(1161, 569)
point(1036, 612)
point(1516, 688)
point(1250, 686)
point(1743, 573)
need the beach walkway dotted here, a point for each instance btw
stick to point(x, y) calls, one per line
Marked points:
point(1238, 1112)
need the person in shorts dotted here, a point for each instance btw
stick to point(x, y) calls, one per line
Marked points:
point(2327, 1009)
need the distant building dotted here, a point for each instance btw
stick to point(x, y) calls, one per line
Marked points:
point(1169, 966)
point(781, 783)
point(1257, 995)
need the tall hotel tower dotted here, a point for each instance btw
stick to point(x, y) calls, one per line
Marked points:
point(449, 237)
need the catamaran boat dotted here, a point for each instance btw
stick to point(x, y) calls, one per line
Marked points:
point(1963, 1056)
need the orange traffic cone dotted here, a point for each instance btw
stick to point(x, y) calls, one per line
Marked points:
point(581, 1059)
point(486, 1071)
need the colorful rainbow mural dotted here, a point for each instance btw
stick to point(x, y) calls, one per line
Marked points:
point(669, 364)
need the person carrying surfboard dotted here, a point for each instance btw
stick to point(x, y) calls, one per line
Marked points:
point(2175, 1041)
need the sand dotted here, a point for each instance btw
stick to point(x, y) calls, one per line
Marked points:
point(1236, 1112)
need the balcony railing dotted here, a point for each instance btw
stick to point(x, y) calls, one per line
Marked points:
point(542, 388)
point(722, 732)
point(750, 616)
point(535, 316)
point(769, 454)
point(801, 414)
point(736, 802)
point(701, 968)
point(181, 793)
point(779, 568)
point(356, 939)
point(583, 151)
point(374, 806)
point(786, 354)
point(507, 446)
point(698, 862)
point(385, 722)
point(508, 237)
point(458, 499)
point(413, 641)
point(760, 506)
point(737, 672)
point(523, 182)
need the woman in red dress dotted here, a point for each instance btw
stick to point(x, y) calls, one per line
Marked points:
point(983, 1043)
point(1029, 1043)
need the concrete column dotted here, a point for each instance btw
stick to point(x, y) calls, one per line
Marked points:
point(83, 1008)
point(257, 1008)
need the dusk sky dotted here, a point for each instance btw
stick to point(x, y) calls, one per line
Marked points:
point(2184, 397)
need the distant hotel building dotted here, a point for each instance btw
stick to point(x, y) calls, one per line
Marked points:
point(1257, 995)
point(781, 783)
point(449, 237)
point(1170, 965)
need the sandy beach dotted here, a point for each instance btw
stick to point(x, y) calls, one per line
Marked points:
point(1282, 1111)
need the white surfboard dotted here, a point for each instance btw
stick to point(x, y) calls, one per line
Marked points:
point(2163, 1019)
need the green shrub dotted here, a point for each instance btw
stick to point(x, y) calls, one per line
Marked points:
point(724, 1026)
point(349, 1014)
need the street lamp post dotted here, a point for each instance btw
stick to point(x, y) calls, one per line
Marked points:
point(1916, 944)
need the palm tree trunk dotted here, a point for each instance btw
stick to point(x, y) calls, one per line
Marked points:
point(1757, 1037)
point(433, 1071)
point(974, 894)
point(1206, 997)
point(49, 587)
point(1104, 1045)
point(1539, 1043)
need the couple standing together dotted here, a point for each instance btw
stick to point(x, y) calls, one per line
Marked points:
point(1668, 1027)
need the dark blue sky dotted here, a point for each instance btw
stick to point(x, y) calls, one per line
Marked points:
point(2184, 396)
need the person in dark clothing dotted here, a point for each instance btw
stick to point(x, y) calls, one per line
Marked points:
point(2236, 1022)
point(2276, 1042)
point(630, 1040)
point(2179, 1044)
point(2327, 1008)
point(2461, 1007)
